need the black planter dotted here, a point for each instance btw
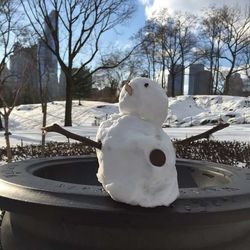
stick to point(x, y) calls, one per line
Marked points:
point(57, 203)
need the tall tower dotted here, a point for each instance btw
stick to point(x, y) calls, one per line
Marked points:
point(178, 81)
point(23, 72)
point(236, 85)
point(199, 80)
point(47, 61)
point(194, 69)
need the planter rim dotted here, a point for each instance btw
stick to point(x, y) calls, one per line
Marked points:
point(21, 190)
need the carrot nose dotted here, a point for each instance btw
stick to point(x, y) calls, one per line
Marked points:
point(128, 88)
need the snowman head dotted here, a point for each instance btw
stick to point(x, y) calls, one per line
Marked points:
point(144, 98)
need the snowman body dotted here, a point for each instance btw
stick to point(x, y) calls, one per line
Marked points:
point(129, 139)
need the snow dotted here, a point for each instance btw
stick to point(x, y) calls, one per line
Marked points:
point(148, 100)
point(29, 116)
point(202, 110)
point(126, 169)
point(183, 107)
point(26, 120)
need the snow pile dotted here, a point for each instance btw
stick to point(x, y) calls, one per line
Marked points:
point(183, 108)
point(201, 110)
point(205, 111)
point(137, 159)
point(183, 111)
point(30, 116)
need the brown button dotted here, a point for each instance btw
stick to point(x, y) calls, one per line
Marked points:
point(157, 157)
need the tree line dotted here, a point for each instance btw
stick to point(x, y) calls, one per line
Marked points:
point(169, 43)
point(219, 38)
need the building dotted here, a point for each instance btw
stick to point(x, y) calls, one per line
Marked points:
point(5, 80)
point(35, 67)
point(178, 81)
point(4, 73)
point(47, 61)
point(199, 80)
point(193, 70)
point(24, 72)
point(246, 87)
point(202, 83)
point(235, 85)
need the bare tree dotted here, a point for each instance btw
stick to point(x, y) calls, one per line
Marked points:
point(10, 32)
point(124, 72)
point(5, 112)
point(211, 36)
point(247, 61)
point(177, 43)
point(168, 41)
point(225, 32)
point(43, 79)
point(82, 25)
point(148, 48)
point(236, 37)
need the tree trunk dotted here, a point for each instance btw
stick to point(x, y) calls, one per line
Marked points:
point(182, 76)
point(163, 68)
point(227, 80)
point(226, 85)
point(68, 105)
point(44, 111)
point(1, 124)
point(211, 67)
point(79, 102)
point(7, 138)
point(173, 84)
point(163, 84)
point(211, 77)
point(216, 73)
point(153, 63)
point(229, 75)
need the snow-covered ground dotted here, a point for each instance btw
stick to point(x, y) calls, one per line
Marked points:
point(25, 120)
point(202, 110)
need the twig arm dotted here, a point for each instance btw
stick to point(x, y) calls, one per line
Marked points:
point(58, 129)
point(203, 135)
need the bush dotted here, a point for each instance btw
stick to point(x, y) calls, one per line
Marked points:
point(51, 149)
point(225, 152)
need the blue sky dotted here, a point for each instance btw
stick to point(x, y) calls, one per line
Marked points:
point(146, 9)
point(120, 37)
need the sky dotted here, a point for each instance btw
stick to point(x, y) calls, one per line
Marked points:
point(193, 6)
point(146, 9)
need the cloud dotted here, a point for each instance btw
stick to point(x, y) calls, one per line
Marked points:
point(152, 6)
point(192, 6)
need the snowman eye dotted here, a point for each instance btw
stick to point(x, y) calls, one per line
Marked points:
point(146, 85)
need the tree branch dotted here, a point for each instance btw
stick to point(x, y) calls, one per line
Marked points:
point(56, 128)
point(203, 135)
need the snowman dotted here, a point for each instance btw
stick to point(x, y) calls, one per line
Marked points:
point(137, 158)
